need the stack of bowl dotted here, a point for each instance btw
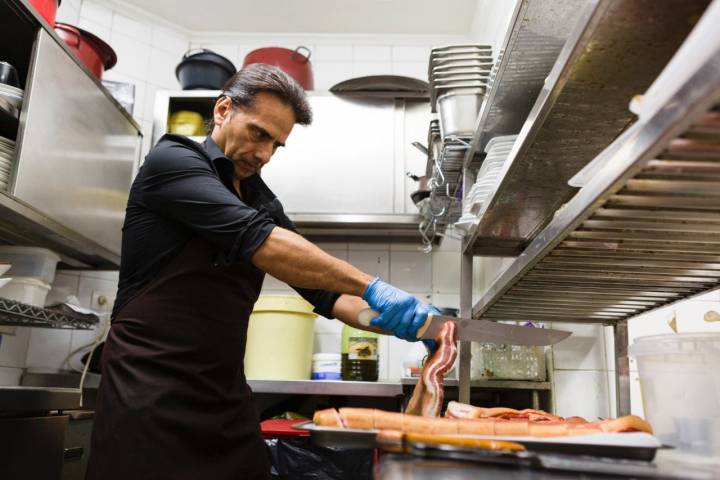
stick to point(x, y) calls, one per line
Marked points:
point(459, 76)
point(7, 161)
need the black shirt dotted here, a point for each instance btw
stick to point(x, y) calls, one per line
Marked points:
point(186, 189)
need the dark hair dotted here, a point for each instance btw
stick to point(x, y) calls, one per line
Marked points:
point(244, 86)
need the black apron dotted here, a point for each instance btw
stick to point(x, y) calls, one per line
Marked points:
point(173, 400)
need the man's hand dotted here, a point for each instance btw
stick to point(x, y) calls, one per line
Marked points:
point(400, 312)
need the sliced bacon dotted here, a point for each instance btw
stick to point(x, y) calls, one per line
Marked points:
point(427, 398)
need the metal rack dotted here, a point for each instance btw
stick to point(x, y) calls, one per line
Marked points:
point(17, 314)
point(640, 234)
point(614, 50)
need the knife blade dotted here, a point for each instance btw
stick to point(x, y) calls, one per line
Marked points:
point(482, 330)
point(492, 332)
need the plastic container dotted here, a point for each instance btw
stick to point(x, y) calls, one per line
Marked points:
point(185, 122)
point(326, 366)
point(203, 69)
point(280, 339)
point(680, 388)
point(26, 290)
point(36, 262)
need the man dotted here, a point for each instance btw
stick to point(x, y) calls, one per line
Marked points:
point(201, 230)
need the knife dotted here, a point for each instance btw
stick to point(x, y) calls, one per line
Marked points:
point(481, 330)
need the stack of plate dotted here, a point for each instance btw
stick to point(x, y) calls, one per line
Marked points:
point(459, 76)
point(498, 149)
point(11, 94)
point(7, 161)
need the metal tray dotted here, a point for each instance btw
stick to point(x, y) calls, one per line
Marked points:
point(633, 446)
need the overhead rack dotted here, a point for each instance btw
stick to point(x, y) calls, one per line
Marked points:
point(614, 50)
point(18, 314)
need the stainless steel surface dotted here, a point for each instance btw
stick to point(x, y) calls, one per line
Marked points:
point(327, 387)
point(615, 51)
point(622, 368)
point(458, 110)
point(493, 332)
point(465, 348)
point(19, 399)
point(641, 230)
point(349, 227)
point(490, 384)
point(76, 151)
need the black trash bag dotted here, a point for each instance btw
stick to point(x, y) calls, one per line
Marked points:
point(299, 458)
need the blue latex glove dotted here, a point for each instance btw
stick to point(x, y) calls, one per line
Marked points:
point(400, 312)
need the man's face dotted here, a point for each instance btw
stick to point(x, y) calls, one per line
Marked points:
point(249, 136)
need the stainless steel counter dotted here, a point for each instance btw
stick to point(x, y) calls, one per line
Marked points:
point(24, 399)
point(327, 387)
point(667, 465)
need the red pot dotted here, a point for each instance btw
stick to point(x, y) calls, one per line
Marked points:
point(292, 62)
point(97, 55)
point(46, 8)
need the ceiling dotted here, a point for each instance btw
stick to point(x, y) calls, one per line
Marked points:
point(413, 17)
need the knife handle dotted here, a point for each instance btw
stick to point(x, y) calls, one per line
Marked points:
point(421, 331)
point(366, 315)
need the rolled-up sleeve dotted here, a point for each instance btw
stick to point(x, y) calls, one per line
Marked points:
point(179, 183)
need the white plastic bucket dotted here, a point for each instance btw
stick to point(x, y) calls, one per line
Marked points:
point(280, 339)
point(680, 386)
point(26, 290)
point(30, 262)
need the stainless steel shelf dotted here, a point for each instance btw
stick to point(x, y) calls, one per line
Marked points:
point(16, 399)
point(615, 50)
point(641, 234)
point(491, 384)
point(329, 227)
point(19, 314)
point(327, 387)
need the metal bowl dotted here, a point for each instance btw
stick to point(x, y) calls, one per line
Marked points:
point(458, 110)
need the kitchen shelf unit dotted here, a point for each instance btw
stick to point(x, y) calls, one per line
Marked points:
point(18, 314)
point(588, 260)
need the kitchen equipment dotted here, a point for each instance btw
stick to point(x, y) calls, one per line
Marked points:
point(27, 290)
point(203, 69)
point(12, 95)
point(382, 86)
point(8, 75)
point(7, 160)
point(631, 445)
point(481, 330)
point(280, 339)
point(35, 262)
point(295, 63)
point(680, 388)
point(492, 361)
point(97, 55)
point(458, 110)
point(47, 9)
point(185, 122)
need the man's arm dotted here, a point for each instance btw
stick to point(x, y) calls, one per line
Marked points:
point(289, 257)
point(347, 309)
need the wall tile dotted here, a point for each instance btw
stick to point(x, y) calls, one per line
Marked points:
point(68, 12)
point(398, 351)
point(445, 300)
point(133, 56)
point(375, 263)
point(362, 69)
point(581, 392)
point(612, 393)
point(98, 29)
point(383, 357)
point(411, 53)
point(417, 70)
point(149, 107)
point(91, 288)
point(48, 348)
point(329, 73)
point(446, 272)
point(169, 41)
point(583, 350)
point(690, 316)
point(609, 347)
point(10, 376)
point(369, 246)
point(406, 247)
point(97, 13)
point(140, 31)
point(325, 325)
point(371, 53)
point(411, 271)
point(327, 343)
point(162, 69)
point(13, 348)
point(334, 53)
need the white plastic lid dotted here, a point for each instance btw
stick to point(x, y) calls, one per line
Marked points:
point(326, 357)
point(675, 343)
point(30, 281)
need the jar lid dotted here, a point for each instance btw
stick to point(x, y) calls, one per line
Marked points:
point(335, 357)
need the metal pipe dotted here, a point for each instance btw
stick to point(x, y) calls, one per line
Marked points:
point(622, 368)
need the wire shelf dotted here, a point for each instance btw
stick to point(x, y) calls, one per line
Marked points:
point(17, 314)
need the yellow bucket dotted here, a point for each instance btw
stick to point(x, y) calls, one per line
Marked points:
point(280, 339)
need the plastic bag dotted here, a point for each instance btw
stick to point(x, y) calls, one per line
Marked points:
point(299, 458)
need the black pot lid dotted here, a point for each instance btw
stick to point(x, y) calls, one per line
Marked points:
point(385, 86)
